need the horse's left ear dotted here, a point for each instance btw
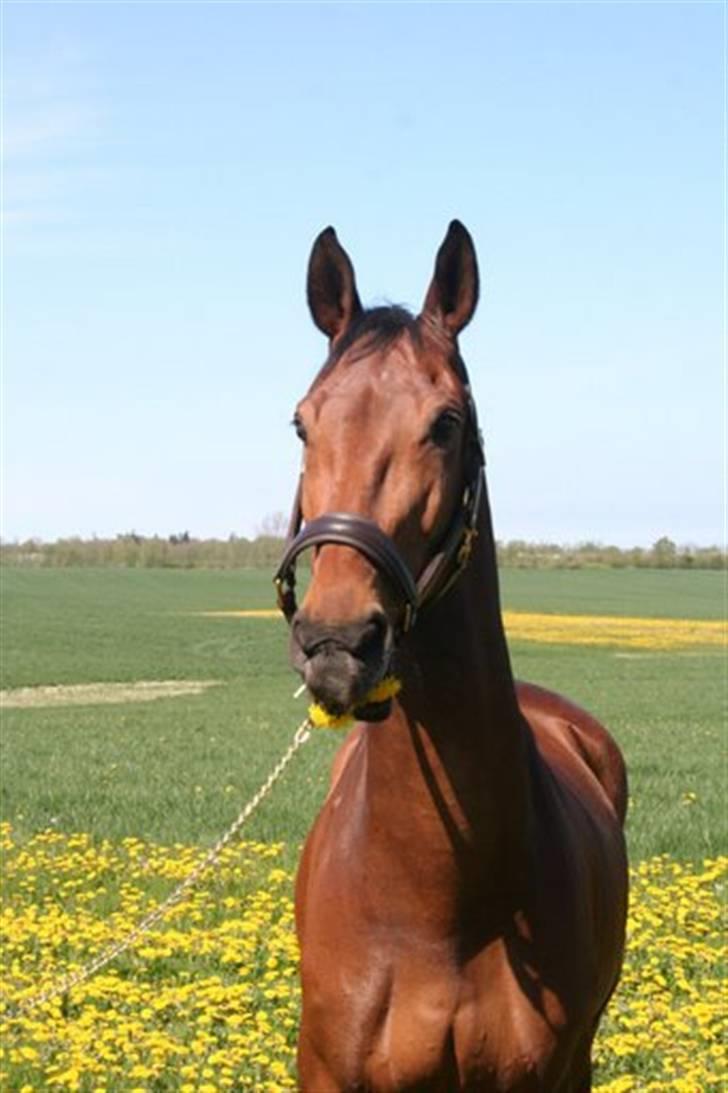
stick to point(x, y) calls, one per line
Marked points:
point(453, 293)
point(331, 287)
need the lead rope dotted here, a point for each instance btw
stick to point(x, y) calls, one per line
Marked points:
point(110, 953)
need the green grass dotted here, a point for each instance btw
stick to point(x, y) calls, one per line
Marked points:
point(644, 593)
point(179, 769)
point(83, 625)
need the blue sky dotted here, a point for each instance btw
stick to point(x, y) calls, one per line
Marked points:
point(167, 166)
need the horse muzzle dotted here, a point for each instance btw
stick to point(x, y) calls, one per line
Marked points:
point(340, 664)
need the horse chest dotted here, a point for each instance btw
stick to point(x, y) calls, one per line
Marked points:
point(411, 1019)
point(389, 1001)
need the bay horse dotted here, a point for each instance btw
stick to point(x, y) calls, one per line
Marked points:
point(461, 897)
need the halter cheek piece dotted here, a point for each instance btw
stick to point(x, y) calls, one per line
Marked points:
point(362, 534)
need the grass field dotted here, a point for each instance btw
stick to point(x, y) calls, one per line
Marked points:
point(151, 781)
point(175, 769)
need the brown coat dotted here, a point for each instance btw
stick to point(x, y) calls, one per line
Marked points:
point(461, 899)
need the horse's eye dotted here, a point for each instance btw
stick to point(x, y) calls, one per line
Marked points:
point(445, 428)
point(300, 428)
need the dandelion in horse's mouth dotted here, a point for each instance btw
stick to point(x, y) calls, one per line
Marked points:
point(321, 718)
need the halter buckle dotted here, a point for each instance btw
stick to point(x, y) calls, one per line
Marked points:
point(280, 594)
point(466, 547)
point(285, 586)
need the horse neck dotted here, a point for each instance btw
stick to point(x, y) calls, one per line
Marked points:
point(460, 648)
point(459, 756)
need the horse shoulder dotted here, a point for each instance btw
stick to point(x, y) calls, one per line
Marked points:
point(325, 845)
point(580, 790)
point(568, 736)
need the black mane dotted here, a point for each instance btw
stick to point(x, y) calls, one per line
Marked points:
point(377, 328)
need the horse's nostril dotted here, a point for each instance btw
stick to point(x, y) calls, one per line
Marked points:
point(364, 640)
point(307, 635)
point(371, 641)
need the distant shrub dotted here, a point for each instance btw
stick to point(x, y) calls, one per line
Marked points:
point(138, 551)
point(663, 554)
point(183, 551)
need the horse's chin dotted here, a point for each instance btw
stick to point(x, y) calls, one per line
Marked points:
point(340, 683)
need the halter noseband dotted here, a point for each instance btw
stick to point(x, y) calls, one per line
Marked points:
point(364, 535)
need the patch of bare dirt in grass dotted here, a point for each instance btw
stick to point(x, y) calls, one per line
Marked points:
point(100, 694)
point(246, 613)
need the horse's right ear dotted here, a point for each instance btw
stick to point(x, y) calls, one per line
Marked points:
point(331, 288)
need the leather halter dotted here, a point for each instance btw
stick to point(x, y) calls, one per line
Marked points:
point(364, 535)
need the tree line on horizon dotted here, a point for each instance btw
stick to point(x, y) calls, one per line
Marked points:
point(184, 551)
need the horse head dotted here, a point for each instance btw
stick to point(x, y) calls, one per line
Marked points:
point(391, 466)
